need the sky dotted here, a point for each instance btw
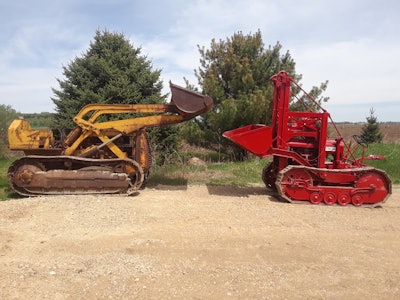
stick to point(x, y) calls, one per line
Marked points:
point(354, 44)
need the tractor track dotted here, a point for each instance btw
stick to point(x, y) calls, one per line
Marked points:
point(360, 171)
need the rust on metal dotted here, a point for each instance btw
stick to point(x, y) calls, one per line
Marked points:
point(100, 155)
point(190, 102)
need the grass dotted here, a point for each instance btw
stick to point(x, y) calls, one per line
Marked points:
point(214, 172)
point(390, 163)
point(5, 191)
point(228, 173)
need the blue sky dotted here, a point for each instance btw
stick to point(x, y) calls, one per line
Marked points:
point(353, 44)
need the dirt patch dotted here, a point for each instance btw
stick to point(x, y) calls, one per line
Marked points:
point(197, 242)
point(390, 131)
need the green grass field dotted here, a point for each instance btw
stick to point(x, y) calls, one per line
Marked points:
point(390, 163)
point(4, 188)
point(245, 173)
point(229, 173)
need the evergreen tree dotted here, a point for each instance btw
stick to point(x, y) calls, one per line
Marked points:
point(236, 73)
point(370, 131)
point(110, 71)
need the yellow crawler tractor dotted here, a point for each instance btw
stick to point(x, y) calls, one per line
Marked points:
point(99, 155)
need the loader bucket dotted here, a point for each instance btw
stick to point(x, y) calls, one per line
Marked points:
point(256, 138)
point(190, 102)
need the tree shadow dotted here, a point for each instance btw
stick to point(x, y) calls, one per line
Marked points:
point(244, 192)
point(160, 182)
point(236, 191)
point(168, 187)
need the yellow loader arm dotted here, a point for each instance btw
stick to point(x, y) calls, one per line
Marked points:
point(185, 104)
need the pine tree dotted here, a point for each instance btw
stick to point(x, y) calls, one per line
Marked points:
point(111, 71)
point(370, 131)
point(236, 73)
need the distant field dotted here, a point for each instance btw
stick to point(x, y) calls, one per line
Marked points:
point(390, 131)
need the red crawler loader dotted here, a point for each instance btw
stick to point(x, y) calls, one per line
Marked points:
point(306, 166)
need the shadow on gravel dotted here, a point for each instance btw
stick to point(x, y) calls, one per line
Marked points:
point(234, 191)
point(167, 187)
point(160, 182)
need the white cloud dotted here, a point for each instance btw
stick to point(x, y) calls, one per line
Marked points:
point(28, 91)
point(358, 71)
point(353, 44)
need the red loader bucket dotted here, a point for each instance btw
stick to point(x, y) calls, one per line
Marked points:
point(256, 138)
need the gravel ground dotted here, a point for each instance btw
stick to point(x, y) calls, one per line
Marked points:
point(197, 242)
